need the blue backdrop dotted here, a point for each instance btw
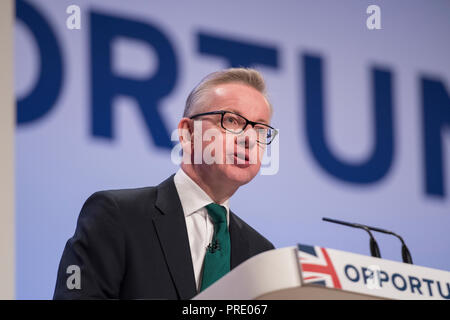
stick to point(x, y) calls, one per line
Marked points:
point(363, 115)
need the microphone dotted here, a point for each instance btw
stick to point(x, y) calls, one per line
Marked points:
point(374, 249)
point(406, 255)
point(214, 246)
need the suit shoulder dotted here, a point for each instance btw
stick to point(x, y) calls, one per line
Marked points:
point(121, 196)
point(119, 203)
point(142, 195)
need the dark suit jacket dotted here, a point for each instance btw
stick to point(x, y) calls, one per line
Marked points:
point(133, 244)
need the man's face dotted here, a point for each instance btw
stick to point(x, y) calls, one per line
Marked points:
point(240, 154)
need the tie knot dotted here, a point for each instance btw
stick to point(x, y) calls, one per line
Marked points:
point(217, 212)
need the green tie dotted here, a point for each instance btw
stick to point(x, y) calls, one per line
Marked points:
point(217, 258)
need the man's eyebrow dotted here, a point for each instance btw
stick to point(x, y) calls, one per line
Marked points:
point(235, 111)
point(229, 109)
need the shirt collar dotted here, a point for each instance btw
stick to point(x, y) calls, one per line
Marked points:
point(192, 197)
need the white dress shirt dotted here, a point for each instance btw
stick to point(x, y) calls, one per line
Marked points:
point(200, 227)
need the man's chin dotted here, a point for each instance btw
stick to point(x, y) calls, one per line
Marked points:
point(241, 173)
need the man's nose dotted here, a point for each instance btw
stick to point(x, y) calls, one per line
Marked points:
point(247, 139)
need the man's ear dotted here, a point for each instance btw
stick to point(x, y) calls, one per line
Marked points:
point(185, 132)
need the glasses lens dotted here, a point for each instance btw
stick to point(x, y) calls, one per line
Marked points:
point(264, 134)
point(236, 124)
point(233, 122)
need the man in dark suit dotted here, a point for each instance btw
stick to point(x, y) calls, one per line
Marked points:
point(174, 240)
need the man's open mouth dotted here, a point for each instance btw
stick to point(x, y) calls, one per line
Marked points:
point(242, 156)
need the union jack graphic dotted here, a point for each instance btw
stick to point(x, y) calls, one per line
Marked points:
point(317, 267)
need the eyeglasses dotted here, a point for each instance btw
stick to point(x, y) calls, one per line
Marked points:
point(235, 123)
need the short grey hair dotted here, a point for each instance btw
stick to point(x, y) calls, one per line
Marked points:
point(246, 76)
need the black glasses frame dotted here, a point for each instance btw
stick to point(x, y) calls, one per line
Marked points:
point(247, 122)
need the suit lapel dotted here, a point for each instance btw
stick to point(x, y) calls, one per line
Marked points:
point(239, 244)
point(172, 233)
